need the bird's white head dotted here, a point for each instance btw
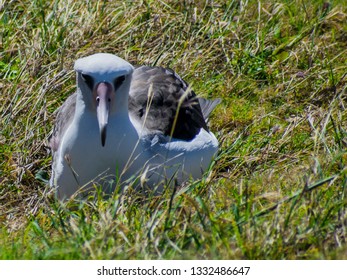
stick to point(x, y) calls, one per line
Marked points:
point(103, 84)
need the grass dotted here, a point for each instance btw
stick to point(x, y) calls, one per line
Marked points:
point(277, 188)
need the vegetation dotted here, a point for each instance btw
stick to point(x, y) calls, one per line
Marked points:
point(278, 186)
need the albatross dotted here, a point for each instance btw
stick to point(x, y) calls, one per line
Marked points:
point(124, 123)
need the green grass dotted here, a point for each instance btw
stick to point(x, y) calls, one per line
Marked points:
point(277, 188)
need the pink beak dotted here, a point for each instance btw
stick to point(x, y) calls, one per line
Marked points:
point(104, 93)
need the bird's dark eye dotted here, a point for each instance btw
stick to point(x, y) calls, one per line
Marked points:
point(118, 82)
point(88, 80)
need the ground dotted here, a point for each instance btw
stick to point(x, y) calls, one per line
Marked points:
point(276, 189)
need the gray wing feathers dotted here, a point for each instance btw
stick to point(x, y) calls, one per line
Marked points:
point(64, 118)
point(163, 112)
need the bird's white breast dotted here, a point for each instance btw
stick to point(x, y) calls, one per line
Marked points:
point(83, 160)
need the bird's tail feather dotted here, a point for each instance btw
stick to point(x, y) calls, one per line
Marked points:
point(207, 106)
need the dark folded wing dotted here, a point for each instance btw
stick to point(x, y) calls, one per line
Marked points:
point(162, 101)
